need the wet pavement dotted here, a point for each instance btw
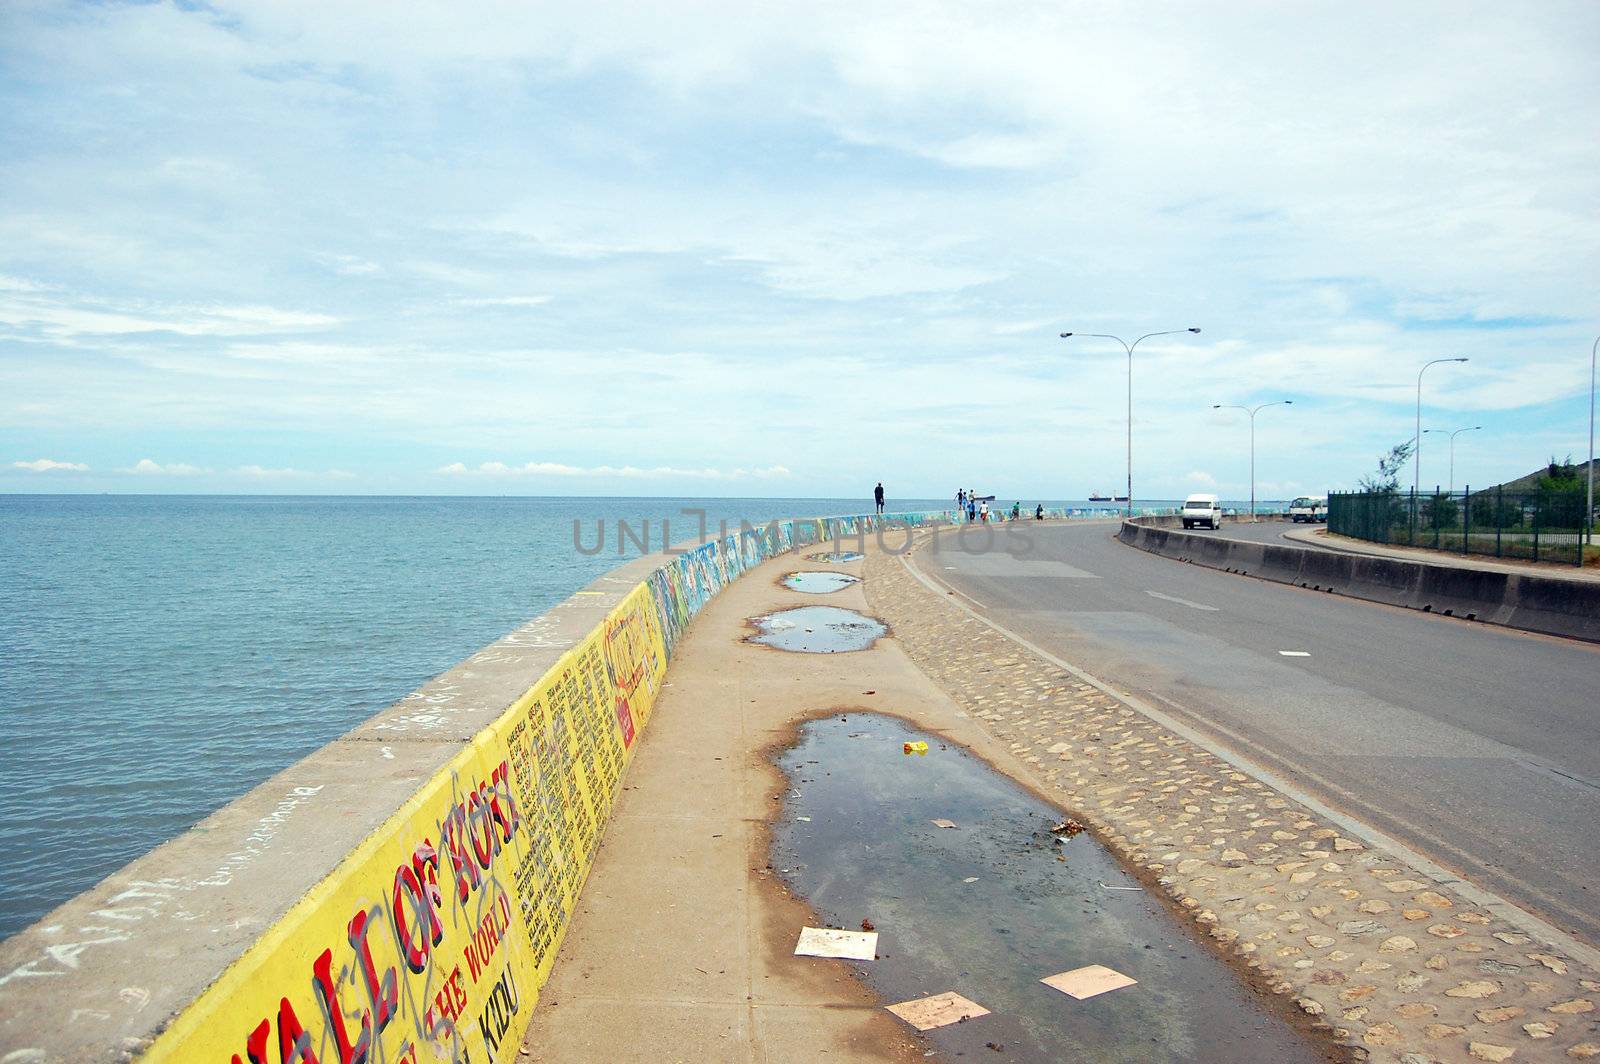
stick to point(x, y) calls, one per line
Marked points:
point(818, 630)
point(837, 556)
point(819, 583)
point(1037, 904)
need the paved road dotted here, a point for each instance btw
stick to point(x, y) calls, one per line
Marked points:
point(1478, 746)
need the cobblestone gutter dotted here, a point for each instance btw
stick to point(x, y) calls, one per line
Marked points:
point(1395, 966)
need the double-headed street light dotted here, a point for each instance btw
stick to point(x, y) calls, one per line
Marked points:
point(1453, 435)
point(1129, 348)
point(1253, 411)
point(1416, 466)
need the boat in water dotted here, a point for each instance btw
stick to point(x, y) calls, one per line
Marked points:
point(1108, 498)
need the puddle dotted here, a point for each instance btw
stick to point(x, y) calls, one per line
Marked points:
point(819, 583)
point(870, 852)
point(837, 556)
point(818, 630)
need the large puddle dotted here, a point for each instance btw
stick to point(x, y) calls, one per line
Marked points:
point(837, 556)
point(991, 906)
point(818, 630)
point(819, 583)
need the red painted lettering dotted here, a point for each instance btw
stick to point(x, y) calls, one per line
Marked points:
point(328, 996)
point(383, 992)
point(294, 1045)
point(255, 1046)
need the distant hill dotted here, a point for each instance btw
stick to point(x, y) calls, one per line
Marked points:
point(1531, 481)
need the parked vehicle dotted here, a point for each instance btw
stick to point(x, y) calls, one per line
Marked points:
point(1309, 508)
point(1201, 510)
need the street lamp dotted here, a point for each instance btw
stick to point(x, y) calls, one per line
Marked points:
point(1129, 348)
point(1252, 411)
point(1453, 435)
point(1416, 466)
point(1589, 514)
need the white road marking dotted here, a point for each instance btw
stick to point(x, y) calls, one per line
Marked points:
point(1181, 601)
point(1295, 653)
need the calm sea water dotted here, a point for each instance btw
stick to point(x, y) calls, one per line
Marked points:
point(161, 655)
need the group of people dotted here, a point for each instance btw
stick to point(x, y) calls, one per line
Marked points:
point(976, 509)
point(968, 503)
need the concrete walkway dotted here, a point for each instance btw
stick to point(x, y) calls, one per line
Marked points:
point(1321, 537)
point(681, 948)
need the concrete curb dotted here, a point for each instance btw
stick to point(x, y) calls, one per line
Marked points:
point(1531, 603)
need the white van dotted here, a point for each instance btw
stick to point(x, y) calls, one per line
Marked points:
point(1201, 510)
point(1311, 508)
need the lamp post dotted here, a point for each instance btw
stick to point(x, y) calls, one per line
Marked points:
point(1416, 465)
point(1129, 348)
point(1453, 435)
point(1589, 513)
point(1253, 411)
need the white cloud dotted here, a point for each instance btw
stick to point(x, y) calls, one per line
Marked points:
point(50, 465)
point(150, 467)
point(1200, 479)
point(504, 301)
point(256, 472)
point(557, 469)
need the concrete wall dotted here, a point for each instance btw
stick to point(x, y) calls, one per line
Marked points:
point(399, 895)
point(1531, 601)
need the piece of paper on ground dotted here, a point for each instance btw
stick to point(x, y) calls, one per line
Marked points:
point(943, 823)
point(941, 1010)
point(1084, 983)
point(828, 942)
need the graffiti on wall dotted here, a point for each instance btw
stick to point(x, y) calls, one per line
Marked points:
point(430, 941)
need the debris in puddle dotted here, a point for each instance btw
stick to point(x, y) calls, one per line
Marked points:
point(919, 748)
point(943, 823)
point(803, 819)
point(866, 925)
point(996, 1046)
point(1067, 828)
point(832, 942)
point(940, 1010)
point(1106, 886)
point(1089, 981)
point(970, 879)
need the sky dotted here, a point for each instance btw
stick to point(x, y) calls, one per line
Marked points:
point(735, 249)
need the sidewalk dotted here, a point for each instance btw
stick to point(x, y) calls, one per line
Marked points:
point(1321, 537)
point(681, 948)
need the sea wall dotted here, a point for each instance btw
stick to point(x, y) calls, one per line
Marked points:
point(399, 895)
point(1532, 602)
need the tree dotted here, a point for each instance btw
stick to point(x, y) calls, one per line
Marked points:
point(1386, 481)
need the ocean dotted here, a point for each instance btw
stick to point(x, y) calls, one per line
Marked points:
point(161, 655)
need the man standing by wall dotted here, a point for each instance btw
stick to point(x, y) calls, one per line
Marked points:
point(877, 496)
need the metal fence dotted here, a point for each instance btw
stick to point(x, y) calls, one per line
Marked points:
point(1543, 526)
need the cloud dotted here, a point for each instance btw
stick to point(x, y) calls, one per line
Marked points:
point(557, 469)
point(1200, 479)
point(149, 467)
point(256, 472)
point(504, 301)
point(50, 465)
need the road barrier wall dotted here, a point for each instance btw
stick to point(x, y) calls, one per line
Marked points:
point(398, 896)
point(1531, 601)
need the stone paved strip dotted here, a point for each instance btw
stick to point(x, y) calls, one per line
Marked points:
point(1398, 968)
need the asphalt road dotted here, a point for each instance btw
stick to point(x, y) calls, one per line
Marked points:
point(1478, 746)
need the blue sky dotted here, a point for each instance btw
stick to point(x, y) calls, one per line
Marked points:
point(746, 250)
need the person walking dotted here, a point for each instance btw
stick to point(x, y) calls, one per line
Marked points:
point(983, 511)
point(1038, 512)
point(972, 510)
point(1016, 510)
point(961, 498)
point(877, 496)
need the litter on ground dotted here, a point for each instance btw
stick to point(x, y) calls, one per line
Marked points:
point(831, 942)
point(1088, 982)
point(919, 748)
point(940, 1010)
point(943, 823)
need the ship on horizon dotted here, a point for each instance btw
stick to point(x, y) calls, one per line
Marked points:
point(1108, 498)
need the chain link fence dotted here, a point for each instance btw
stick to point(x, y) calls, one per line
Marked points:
point(1543, 526)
